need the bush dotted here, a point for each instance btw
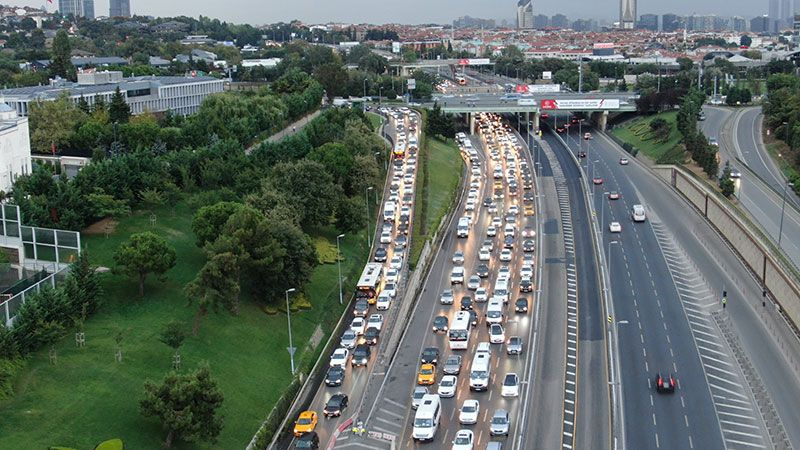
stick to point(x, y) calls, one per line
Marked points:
point(326, 251)
point(8, 370)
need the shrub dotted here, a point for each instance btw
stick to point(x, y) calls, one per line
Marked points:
point(8, 370)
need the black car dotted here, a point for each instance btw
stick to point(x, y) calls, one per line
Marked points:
point(487, 201)
point(508, 242)
point(430, 355)
point(525, 286)
point(581, 154)
point(335, 376)
point(528, 197)
point(360, 355)
point(403, 228)
point(361, 309)
point(528, 246)
point(665, 385)
point(466, 303)
point(307, 440)
point(440, 323)
point(380, 254)
point(336, 404)
point(473, 317)
point(371, 335)
point(404, 219)
point(521, 305)
point(482, 270)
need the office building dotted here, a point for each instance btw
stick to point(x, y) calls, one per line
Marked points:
point(88, 9)
point(15, 147)
point(541, 21)
point(787, 13)
point(74, 7)
point(739, 24)
point(721, 23)
point(648, 22)
point(181, 95)
point(697, 22)
point(584, 25)
point(774, 11)
point(559, 21)
point(627, 14)
point(525, 14)
point(760, 24)
point(119, 8)
point(671, 22)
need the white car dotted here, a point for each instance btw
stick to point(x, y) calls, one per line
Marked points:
point(463, 440)
point(503, 272)
point(390, 289)
point(447, 386)
point(481, 295)
point(526, 272)
point(447, 297)
point(396, 262)
point(497, 222)
point(470, 410)
point(505, 255)
point(457, 275)
point(375, 320)
point(358, 325)
point(496, 334)
point(484, 255)
point(383, 302)
point(510, 385)
point(513, 209)
point(491, 231)
point(386, 237)
point(458, 258)
point(339, 357)
point(493, 207)
point(474, 282)
point(391, 275)
point(470, 205)
point(615, 227)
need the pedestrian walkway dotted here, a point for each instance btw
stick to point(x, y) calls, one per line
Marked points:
point(289, 130)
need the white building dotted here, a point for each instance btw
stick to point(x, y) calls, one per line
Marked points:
point(15, 147)
point(525, 14)
point(181, 95)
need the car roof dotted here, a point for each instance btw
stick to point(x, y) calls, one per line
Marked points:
point(307, 414)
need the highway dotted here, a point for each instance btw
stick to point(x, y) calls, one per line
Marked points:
point(760, 189)
point(392, 412)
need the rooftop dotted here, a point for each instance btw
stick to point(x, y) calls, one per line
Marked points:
point(130, 83)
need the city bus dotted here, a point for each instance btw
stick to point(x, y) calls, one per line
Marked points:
point(399, 150)
point(369, 285)
point(458, 334)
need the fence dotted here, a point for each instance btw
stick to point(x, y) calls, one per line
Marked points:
point(10, 307)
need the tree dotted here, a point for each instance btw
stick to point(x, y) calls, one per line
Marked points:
point(725, 182)
point(745, 41)
point(52, 123)
point(118, 110)
point(685, 64)
point(143, 254)
point(186, 405)
point(216, 286)
point(60, 63)
point(173, 335)
point(208, 221)
point(332, 77)
point(309, 188)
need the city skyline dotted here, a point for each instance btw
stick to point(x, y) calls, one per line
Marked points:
point(444, 12)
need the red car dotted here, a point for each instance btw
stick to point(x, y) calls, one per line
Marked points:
point(613, 195)
point(560, 129)
point(544, 116)
point(665, 385)
point(597, 180)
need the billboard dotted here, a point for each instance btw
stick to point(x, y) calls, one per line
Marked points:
point(473, 61)
point(540, 88)
point(412, 84)
point(395, 47)
point(589, 103)
point(526, 102)
point(547, 75)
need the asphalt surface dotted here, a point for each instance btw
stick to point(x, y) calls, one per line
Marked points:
point(356, 378)
point(393, 413)
point(654, 335)
point(760, 190)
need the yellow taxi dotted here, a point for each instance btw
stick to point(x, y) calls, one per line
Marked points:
point(498, 184)
point(529, 210)
point(427, 375)
point(306, 421)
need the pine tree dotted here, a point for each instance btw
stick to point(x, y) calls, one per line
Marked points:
point(118, 110)
point(60, 63)
point(83, 105)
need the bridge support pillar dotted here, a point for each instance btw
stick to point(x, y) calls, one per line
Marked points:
point(601, 119)
point(535, 126)
point(471, 120)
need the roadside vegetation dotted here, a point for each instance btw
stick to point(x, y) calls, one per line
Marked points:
point(656, 136)
point(782, 117)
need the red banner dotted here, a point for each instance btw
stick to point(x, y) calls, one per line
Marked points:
point(521, 88)
point(548, 104)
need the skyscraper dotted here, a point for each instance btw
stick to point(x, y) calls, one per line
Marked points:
point(670, 22)
point(648, 22)
point(525, 14)
point(627, 14)
point(787, 12)
point(760, 24)
point(774, 9)
point(88, 9)
point(541, 21)
point(739, 24)
point(119, 8)
point(559, 21)
point(74, 7)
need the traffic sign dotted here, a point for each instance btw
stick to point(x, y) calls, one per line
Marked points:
point(291, 350)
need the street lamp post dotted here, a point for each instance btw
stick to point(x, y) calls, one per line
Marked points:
point(289, 320)
point(783, 208)
point(608, 258)
point(339, 263)
point(366, 202)
point(786, 124)
point(380, 95)
point(603, 210)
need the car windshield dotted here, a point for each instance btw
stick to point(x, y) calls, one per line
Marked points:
point(494, 314)
point(423, 423)
point(426, 371)
point(304, 443)
point(499, 420)
point(468, 408)
point(448, 382)
point(304, 421)
point(510, 380)
point(419, 394)
point(477, 374)
point(462, 440)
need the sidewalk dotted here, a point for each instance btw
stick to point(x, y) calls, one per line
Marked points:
point(289, 130)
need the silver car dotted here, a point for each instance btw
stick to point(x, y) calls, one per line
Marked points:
point(500, 423)
point(514, 345)
point(349, 339)
point(446, 297)
point(416, 397)
point(452, 366)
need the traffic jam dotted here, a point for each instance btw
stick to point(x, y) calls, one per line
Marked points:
point(473, 363)
point(378, 288)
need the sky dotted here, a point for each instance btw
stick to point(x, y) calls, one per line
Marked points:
point(258, 12)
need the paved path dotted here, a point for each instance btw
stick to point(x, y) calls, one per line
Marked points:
point(289, 130)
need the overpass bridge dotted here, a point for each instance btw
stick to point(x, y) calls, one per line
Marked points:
point(407, 68)
point(597, 104)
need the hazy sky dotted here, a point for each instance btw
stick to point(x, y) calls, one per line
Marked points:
point(409, 11)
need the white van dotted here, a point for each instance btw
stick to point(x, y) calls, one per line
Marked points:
point(494, 311)
point(389, 211)
point(637, 213)
point(462, 230)
point(480, 372)
point(426, 419)
point(509, 230)
point(501, 289)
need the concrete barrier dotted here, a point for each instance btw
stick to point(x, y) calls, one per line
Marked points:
point(758, 255)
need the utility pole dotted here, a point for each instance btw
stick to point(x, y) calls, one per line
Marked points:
point(580, 74)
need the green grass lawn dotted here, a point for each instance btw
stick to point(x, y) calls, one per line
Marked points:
point(87, 397)
point(637, 134)
point(375, 120)
point(441, 172)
